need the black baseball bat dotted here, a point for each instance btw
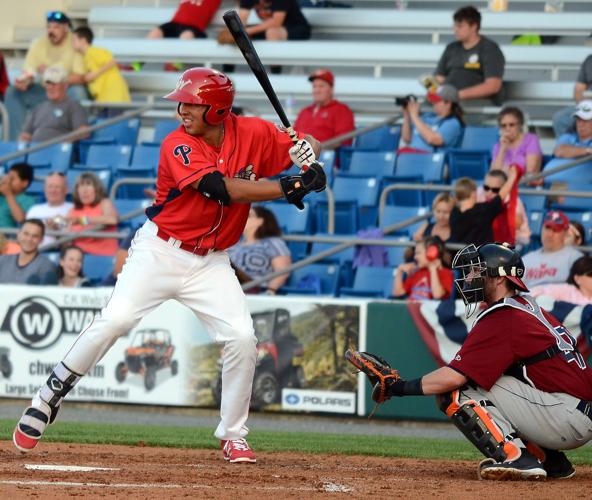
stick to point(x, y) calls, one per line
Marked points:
point(243, 42)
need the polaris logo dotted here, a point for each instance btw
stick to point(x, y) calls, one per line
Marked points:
point(38, 323)
point(292, 399)
point(315, 400)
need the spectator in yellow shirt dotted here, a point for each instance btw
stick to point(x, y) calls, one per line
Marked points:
point(102, 75)
point(53, 49)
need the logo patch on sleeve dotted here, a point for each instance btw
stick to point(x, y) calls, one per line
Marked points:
point(246, 173)
point(183, 150)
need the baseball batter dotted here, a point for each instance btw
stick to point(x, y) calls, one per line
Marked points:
point(209, 172)
point(518, 388)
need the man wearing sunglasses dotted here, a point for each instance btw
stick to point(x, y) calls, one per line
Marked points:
point(53, 49)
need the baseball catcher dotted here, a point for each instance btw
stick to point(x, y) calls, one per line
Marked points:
point(518, 388)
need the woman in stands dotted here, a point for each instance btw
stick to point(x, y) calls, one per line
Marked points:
point(577, 290)
point(516, 147)
point(93, 210)
point(440, 129)
point(70, 268)
point(440, 224)
point(261, 251)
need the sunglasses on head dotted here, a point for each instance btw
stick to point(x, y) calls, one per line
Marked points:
point(57, 17)
point(492, 189)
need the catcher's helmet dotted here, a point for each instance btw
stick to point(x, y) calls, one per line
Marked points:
point(491, 259)
point(208, 87)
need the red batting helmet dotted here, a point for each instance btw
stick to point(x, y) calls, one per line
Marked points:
point(208, 87)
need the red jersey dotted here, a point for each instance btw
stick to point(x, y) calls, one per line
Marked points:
point(325, 122)
point(504, 335)
point(197, 13)
point(418, 285)
point(252, 149)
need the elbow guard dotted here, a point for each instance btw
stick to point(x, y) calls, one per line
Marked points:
point(212, 186)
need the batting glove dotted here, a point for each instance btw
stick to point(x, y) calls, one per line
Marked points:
point(302, 153)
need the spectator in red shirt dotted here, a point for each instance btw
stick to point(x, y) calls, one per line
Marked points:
point(427, 278)
point(190, 21)
point(326, 117)
point(4, 82)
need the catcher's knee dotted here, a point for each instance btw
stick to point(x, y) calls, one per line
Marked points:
point(476, 423)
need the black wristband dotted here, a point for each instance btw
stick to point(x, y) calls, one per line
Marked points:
point(413, 387)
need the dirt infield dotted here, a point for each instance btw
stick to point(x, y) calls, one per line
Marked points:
point(141, 472)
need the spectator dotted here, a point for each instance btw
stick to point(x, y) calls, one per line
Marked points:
point(579, 143)
point(8, 247)
point(92, 209)
point(440, 227)
point(427, 278)
point(4, 81)
point(563, 120)
point(58, 115)
point(105, 83)
point(577, 290)
point(14, 202)
point(262, 251)
point(282, 20)
point(189, 21)
point(472, 222)
point(55, 209)
point(552, 262)
point(516, 147)
point(512, 218)
point(441, 128)
point(576, 234)
point(326, 117)
point(70, 268)
point(28, 266)
point(474, 64)
point(54, 49)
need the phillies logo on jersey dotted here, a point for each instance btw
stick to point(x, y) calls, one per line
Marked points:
point(183, 150)
point(246, 173)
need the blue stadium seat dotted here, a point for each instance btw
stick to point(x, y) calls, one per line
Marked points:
point(145, 156)
point(394, 214)
point(404, 197)
point(428, 167)
point(97, 267)
point(585, 219)
point(110, 156)
point(433, 172)
point(12, 147)
point(290, 219)
point(125, 132)
point(372, 163)
point(483, 138)
point(580, 174)
point(468, 163)
point(535, 222)
point(327, 274)
point(328, 159)
point(134, 191)
point(535, 202)
point(126, 206)
point(370, 282)
point(381, 139)
point(162, 128)
point(57, 157)
point(396, 253)
point(346, 217)
point(571, 203)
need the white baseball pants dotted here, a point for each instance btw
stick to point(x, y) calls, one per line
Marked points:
point(156, 271)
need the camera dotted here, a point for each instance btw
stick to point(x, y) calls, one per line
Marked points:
point(403, 101)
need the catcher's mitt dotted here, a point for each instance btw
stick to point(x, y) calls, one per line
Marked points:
point(379, 373)
point(225, 37)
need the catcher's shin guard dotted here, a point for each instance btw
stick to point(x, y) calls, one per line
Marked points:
point(475, 422)
point(44, 408)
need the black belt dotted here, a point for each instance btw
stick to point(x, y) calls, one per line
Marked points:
point(585, 407)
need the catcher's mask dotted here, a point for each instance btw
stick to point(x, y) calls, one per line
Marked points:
point(493, 260)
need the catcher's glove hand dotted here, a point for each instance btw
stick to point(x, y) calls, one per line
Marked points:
point(379, 373)
point(225, 37)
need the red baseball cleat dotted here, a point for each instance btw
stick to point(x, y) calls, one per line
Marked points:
point(237, 450)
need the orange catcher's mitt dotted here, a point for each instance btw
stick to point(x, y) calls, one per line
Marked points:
point(380, 374)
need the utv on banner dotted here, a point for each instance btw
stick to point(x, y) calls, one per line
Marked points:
point(5, 364)
point(151, 350)
point(279, 359)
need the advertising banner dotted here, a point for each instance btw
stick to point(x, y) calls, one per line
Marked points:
point(169, 358)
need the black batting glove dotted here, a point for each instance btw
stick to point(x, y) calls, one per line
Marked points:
point(296, 187)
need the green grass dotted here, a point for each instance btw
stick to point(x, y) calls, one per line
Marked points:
point(192, 437)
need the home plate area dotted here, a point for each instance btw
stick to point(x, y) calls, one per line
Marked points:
point(141, 472)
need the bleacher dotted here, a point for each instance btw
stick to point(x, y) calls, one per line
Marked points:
point(376, 53)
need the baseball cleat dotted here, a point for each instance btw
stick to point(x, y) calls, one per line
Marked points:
point(237, 450)
point(557, 465)
point(31, 426)
point(526, 467)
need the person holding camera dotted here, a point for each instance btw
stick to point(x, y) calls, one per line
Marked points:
point(441, 128)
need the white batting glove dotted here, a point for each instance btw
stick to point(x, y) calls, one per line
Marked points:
point(302, 153)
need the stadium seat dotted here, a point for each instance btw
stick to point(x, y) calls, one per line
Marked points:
point(535, 222)
point(300, 281)
point(404, 197)
point(290, 219)
point(535, 202)
point(97, 267)
point(580, 174)
point(328, 160)
point(395, 214)
point(12, 147)
point(125, 132)
point(145, 156)
point(344, 259)
point(380, 139)
point(107, 156)
point(57, 157)
point(572, 203)
point(479, 138)
point(134, 191)
point(468, 163)
point(372, 163)
point(127, 206)
point(370, 282)
point(585, 219)
point(396, 253)
point(162, 128)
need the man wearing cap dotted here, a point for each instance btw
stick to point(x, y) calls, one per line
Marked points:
point(53, 49)
point(326, 117)
point(552, 262)
point(441, 128)
point(56, 116)
point(473, 64)
point(578, 143)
